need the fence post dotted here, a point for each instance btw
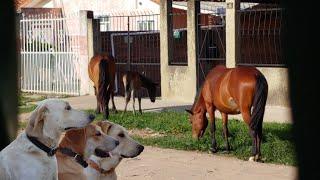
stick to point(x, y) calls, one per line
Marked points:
point(232, 29)
point(86, 50)
point(192, 42)
point(165, 50)
point(18, 43)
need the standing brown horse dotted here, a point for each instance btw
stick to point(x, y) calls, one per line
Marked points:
point(133, 83)
point(231, 91)
point(102, 69)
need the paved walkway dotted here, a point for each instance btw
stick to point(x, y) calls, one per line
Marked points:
point(272, 114)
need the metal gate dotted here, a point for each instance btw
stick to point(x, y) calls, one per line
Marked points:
point(260, 34)
point(49, 54)
point(134, 41)
point(211, 42)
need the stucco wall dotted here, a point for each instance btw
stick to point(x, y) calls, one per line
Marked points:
point(178, 82)
point(278, 83)
point(103, 7)
point(178, 85)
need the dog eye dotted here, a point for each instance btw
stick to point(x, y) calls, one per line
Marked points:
point(68, 108)
point(121, 135)
point(98, 134)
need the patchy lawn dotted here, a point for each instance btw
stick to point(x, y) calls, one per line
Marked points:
point(26, 101)
point(173, 130)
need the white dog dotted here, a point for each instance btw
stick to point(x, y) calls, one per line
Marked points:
point(32, 154)
point(104, 168)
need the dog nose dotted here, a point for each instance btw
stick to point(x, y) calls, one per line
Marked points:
point(140, 148)
point(117, 143)
point(91, 117)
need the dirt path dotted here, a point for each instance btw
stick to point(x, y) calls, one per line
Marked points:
point(166, 164)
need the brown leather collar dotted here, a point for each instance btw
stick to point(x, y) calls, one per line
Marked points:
point(95, 166)
point(50, 151)
point(78, 157)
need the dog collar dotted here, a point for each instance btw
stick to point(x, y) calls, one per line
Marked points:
point(78, 157)
point(50, 151)
point(95, 166)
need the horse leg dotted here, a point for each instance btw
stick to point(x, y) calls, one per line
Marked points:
point(211, 110)
point(98, 103)
point(113, 105)
point(259, 140)
point(139, 101)
point(133, 102)
point(106, 106)
point(225, 129)
point(247, 117)
point(127, 98)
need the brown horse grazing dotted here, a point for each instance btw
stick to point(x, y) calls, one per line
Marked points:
point(132, 82)
point(231, 91)
point(102, 69)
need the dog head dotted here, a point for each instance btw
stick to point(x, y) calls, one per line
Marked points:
point(54, 116)
point(128, 148)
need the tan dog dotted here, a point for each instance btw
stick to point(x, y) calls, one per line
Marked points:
point(32, 154)
point(104, 168)
point(77, 146)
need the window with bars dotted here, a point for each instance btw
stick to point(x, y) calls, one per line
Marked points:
point(260, 34)
point(104, 24)
point(145, 25)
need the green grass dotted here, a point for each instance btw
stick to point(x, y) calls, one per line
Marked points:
point(277, 145)
point(25, 98)
point(26, 108)
point(26, 101)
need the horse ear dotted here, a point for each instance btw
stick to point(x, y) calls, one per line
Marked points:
point(189, 111)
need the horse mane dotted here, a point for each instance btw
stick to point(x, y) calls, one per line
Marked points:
point(197, 98)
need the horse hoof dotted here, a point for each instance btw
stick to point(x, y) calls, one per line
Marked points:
point(251, 159)
point(225, 152)
point(257, 158)
point(213, 150)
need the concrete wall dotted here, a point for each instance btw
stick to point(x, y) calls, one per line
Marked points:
point(178, 85)
point(104, 7)
point(86, 51)
point(278, 83)
point(178, 82)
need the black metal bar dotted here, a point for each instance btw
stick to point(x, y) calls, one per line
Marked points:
point(128, 41)
point(262, 65)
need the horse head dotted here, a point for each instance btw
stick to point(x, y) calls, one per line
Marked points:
point(199, 122)
point(152, 91)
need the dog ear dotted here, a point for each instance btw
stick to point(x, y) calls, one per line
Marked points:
point(105, 126)
point(74, 139)
point(36, 120)
point(41, 115)
point(189, 111)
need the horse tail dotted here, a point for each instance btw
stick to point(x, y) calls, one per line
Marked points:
point(127, 82)
point(103, 83)
point(259, 102)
